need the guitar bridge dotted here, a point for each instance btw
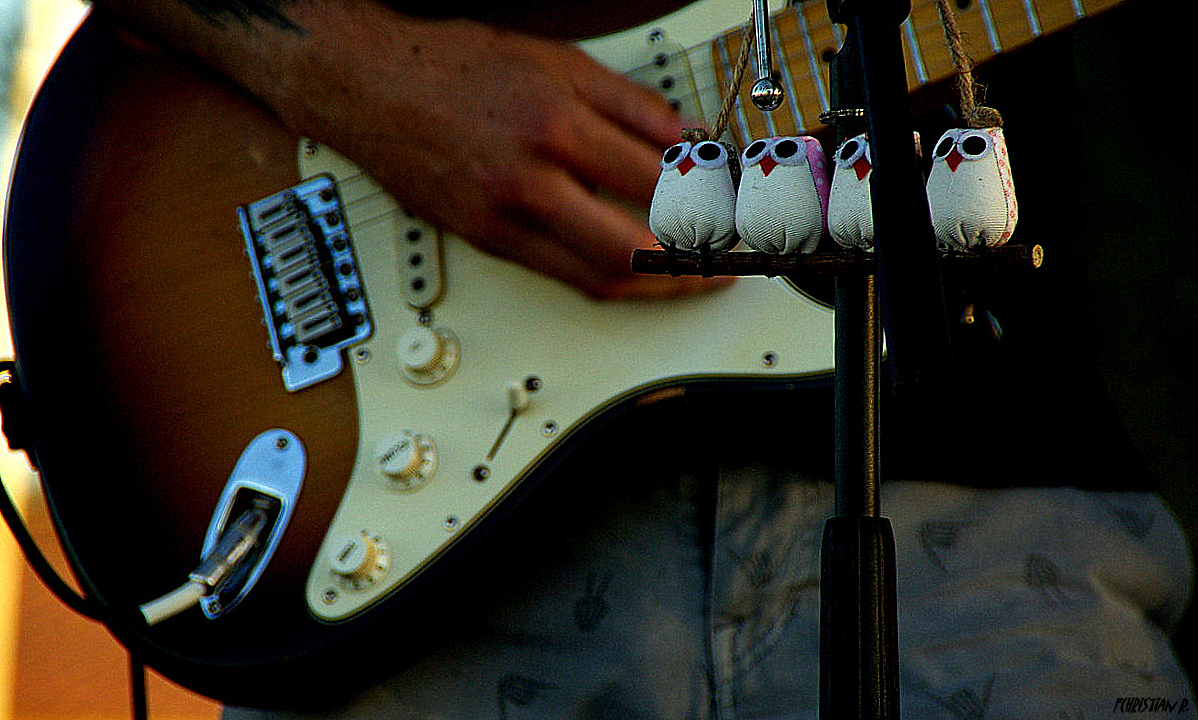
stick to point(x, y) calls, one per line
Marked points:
point(308, 279)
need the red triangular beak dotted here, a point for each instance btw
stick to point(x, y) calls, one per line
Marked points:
point(685, 166)
point(862, 167)
point(953, 159)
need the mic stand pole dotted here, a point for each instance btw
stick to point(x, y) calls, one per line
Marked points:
point(898, 287)
point(858, 615)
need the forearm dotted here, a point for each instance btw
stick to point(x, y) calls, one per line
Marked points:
point(494, 135)
point(285, 54)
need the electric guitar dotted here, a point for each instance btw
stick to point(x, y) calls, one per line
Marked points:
point(208, 310)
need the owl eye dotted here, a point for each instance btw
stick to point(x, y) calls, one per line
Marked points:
point(851, 151)
point(753, 154)
point(974, 145)
point(708, 154)
point(789, 151)
point(675, 155)
point(944, 147)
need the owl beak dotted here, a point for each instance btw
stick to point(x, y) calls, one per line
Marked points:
point(767, 165)
point(953, 159)
point(685, 166)
point(862, 166)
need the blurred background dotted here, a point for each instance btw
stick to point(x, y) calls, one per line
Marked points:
point(54, 665)
point(1101, 102)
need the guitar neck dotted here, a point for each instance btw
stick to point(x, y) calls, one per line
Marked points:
point(805, 40)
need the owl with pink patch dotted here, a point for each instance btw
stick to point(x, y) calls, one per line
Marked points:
point(970, 192)
point(782, 202)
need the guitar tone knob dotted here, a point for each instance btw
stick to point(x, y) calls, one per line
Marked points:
point(360, 560)
point(427, 356)
point(409, 459)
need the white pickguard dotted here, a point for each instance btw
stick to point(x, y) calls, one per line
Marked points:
point(512, 324)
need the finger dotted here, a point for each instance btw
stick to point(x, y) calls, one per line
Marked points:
point(540, 253)
point(638, 109)
point(604, 156)
point(660, 287)
point(597, 229)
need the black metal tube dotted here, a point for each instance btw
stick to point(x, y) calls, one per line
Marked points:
point(859, 663)
point(912, 296)
point(859, 605)
point(857, 390)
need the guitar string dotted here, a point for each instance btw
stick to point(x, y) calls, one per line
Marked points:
point(928, 28)
point(919, 53)
point(795, 59)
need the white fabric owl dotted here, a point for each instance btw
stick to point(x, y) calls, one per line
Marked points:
point(694, 204)
point(850, 214)
point(782, 202)
point(970, 192)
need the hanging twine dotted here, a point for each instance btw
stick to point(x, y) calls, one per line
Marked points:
point(699, 134)
point(974, 115)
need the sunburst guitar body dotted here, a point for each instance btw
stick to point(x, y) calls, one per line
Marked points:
point(203, 303)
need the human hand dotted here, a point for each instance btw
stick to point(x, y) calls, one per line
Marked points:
point(526, 147)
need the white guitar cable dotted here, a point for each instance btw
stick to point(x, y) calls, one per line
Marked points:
point(173, 603)
point(234, 547)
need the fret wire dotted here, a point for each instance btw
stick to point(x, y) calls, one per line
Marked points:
point(988, 21)
point(742, 121)
point(792, 99)
point(789, 78)
point(933, 28)
point(770, 127)
point(983, 6)
point(921, 70)
point(816, 75)
point(1033, 20)
point(813, 61)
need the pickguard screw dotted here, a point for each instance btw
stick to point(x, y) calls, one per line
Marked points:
point(361, 356)
point(656, 36)
point(769, 359)
point(329, 597)
point(310, 148)
point(452, 523)
point(482, 472)
point(549, 429)
point(281, 443)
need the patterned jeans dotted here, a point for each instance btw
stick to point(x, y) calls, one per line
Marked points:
point(695, 597)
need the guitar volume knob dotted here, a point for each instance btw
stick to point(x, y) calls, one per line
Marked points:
point(360, 560)
point(409, 459)
point(427, 356)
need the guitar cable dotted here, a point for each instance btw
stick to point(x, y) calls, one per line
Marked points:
point(233, 548)
point(82, 604)
point(13, 400)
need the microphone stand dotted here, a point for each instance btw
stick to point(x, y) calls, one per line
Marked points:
point(858, 615)
point(897, 288)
